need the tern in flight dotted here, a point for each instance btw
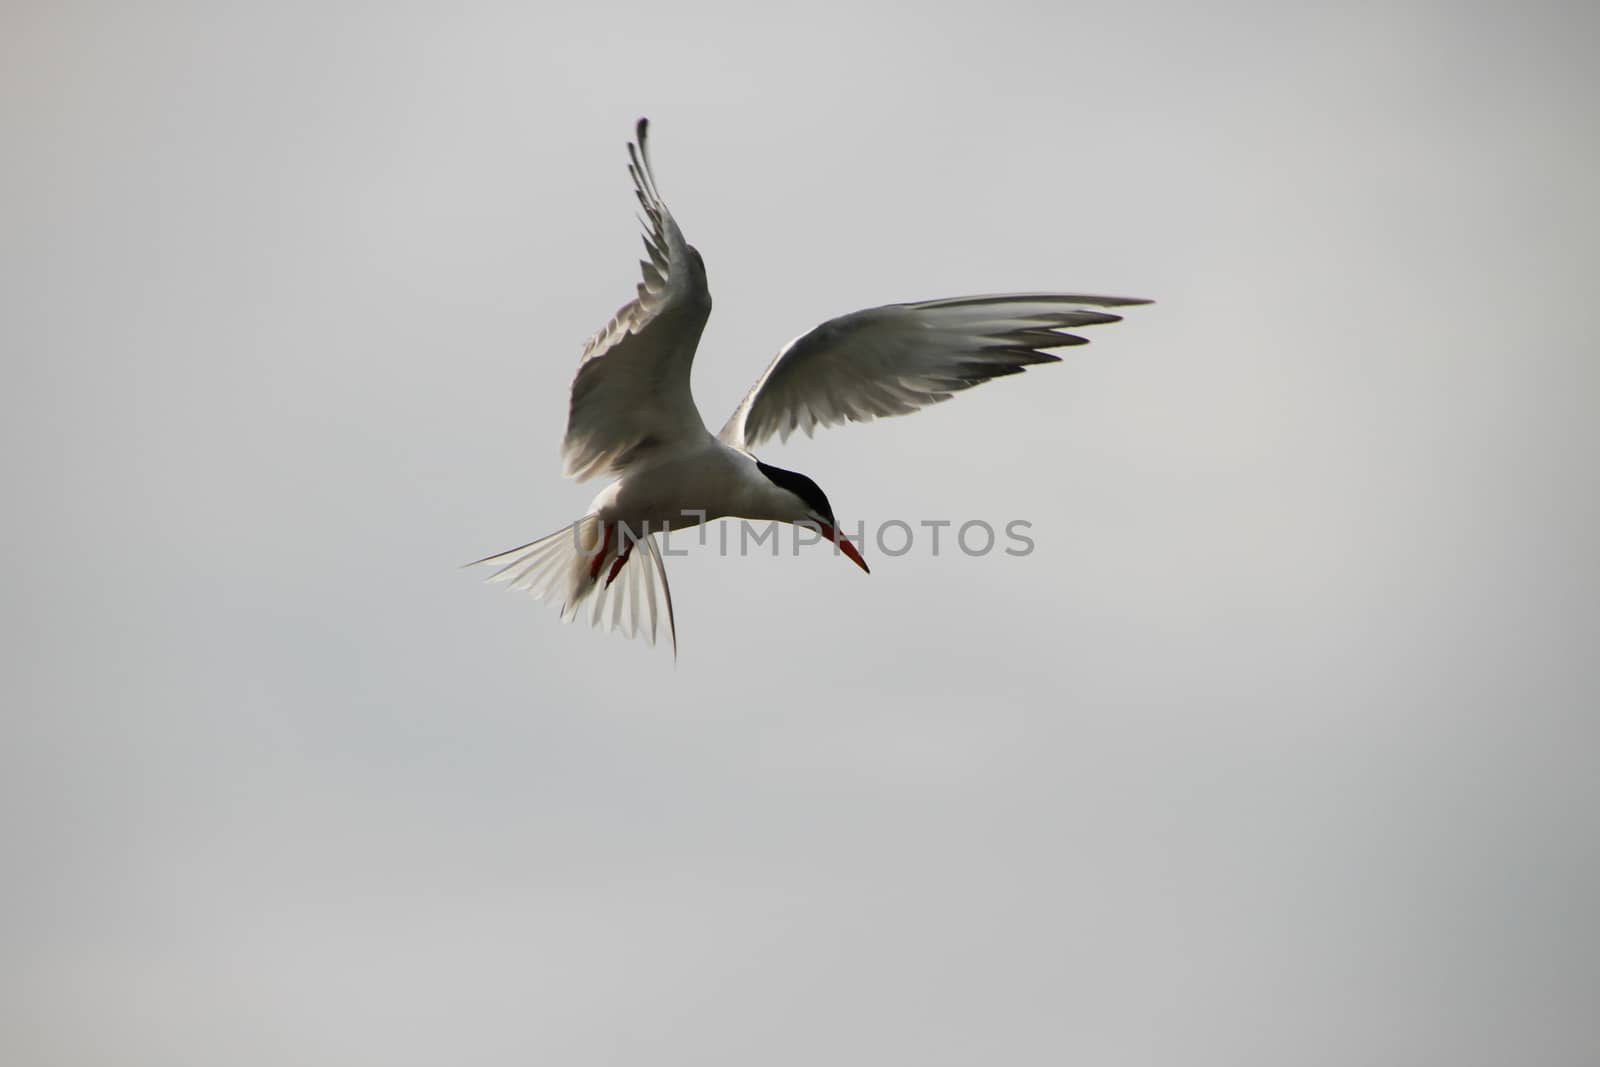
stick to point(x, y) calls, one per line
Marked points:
point(632, 416)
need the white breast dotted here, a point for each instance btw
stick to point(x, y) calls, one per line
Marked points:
point(710, 482)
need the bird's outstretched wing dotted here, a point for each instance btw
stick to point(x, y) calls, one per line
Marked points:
point(899, 358)
point(631, 393)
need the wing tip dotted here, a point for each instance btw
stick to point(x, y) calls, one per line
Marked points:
point(1108, 301)
point(644, 178)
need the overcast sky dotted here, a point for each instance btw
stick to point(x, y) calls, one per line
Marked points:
point(1279, 748)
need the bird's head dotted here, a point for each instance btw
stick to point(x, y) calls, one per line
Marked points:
point(810, 505)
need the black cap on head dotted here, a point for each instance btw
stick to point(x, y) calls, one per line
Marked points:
point(800, 486)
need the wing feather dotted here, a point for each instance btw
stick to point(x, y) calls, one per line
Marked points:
point(899, 358)
point(631, 394)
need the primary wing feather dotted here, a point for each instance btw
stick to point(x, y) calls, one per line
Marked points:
point(631, 394)
point(899, 358)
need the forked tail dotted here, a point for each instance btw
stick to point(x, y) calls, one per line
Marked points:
point(592, 561)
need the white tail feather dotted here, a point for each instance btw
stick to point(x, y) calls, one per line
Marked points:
point(560, 568)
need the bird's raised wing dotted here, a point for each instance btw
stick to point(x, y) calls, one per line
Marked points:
point(896, 359)
point(631, 394)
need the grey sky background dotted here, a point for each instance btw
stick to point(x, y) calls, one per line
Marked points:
point(1279, 748)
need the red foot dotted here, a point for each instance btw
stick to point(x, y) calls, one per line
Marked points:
point(616, 568)
point(600, 556)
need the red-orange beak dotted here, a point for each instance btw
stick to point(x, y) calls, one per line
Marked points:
point(844, 545)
